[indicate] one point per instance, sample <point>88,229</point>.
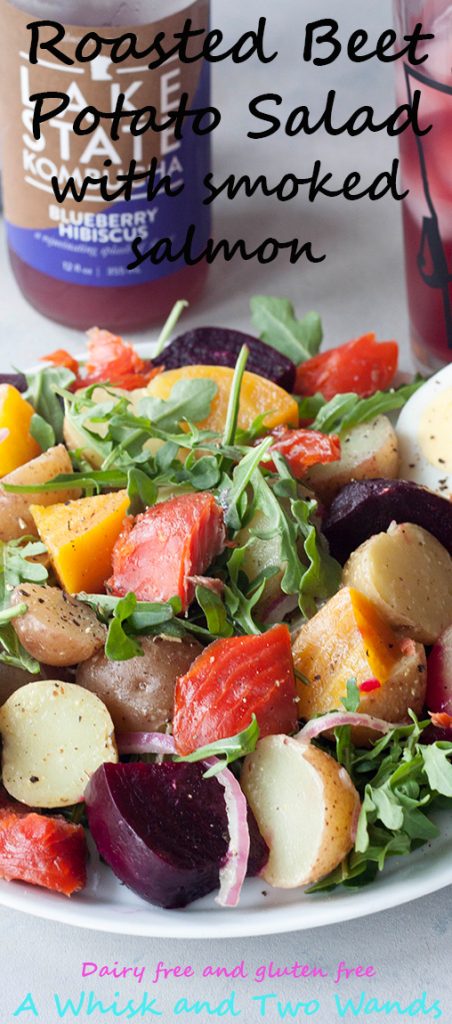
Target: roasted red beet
<point>366,507</point>
<point>219,346</point>
<point>163,829</point>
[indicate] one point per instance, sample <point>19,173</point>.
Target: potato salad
<point>225,611</point>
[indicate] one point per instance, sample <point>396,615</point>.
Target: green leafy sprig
<point>278,326</point>
<point>343,412</point>
<point>225,751</point>
<point>16,567</point>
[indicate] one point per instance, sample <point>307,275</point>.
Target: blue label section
<point>94,249</point>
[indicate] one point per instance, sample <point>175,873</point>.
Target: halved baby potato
<point>306,807</point>
<point>56,628</point>
<point>407,574</point>
<point>349,638</point>
<point>16,519</point>
<point>368,451</point>
<point>55,735</point>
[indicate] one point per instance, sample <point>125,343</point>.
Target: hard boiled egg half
<point>424,430</point>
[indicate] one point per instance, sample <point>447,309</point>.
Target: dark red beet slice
<point>366,507</point>
<point>219,346</point>
<point>163,829</point>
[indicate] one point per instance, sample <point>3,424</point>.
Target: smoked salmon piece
<point>229,682</point>
<point>363,366</point>
<point>158,553</point>
<point>50,852</point>
<point>304,448</point>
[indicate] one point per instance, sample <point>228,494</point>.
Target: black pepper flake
<point>34,778</point>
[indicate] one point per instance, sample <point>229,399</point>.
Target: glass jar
<point>70,259</point>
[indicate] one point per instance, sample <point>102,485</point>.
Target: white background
<point>359,287</point>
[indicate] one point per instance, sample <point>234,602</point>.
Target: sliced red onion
<point>233,871</point>
<point>145,743</point>
<point>333,720</point>
<point>277,610</point>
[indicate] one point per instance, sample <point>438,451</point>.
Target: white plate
<point>106,905</point>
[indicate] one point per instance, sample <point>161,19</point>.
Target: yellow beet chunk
<point>15,415</point>
<point>80,536</point>
<point>350,639</point>
<point>257,396</point>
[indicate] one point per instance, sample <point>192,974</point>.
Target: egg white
<point>424,432</point>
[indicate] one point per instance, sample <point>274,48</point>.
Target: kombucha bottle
<point>70,258</point>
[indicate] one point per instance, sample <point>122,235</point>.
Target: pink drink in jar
<point>426,171</point>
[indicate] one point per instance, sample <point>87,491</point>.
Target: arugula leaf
<point>214,611</point>
<point>276,322</point>
<point>322,576</point>
<point>343,412</point>
<point>353,699</point>
<point>241,596</point>
<point>87,480</point>
<point>119,645</point>
<point>241,478</point>
<point>189,400</point>
<point>438,768</point>
<point>78,410</point>
<point>42,432</point>
<point>15,568</point>
<point>128,619</point>
<point>144,614</point>
<point>142,491</point>
<point>202,473</point>
<point>309,406</point>
<point>43,391</point>
<point>226,750</point>
<point>309,571</point>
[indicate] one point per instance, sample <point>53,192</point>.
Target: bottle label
<point>89,242</point>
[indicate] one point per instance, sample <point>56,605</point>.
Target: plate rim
<point>203,925</point>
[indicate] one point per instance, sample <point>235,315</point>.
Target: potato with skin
<point>15,516</point>
<point>306,807</point>
<point>55,735</point>
<point>56,628</point>
<point>368,451</point>
<point>139,693</point>
<point>407,574</point>
<point>349,638</point>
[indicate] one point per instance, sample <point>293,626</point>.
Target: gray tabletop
<point>359,287</point>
